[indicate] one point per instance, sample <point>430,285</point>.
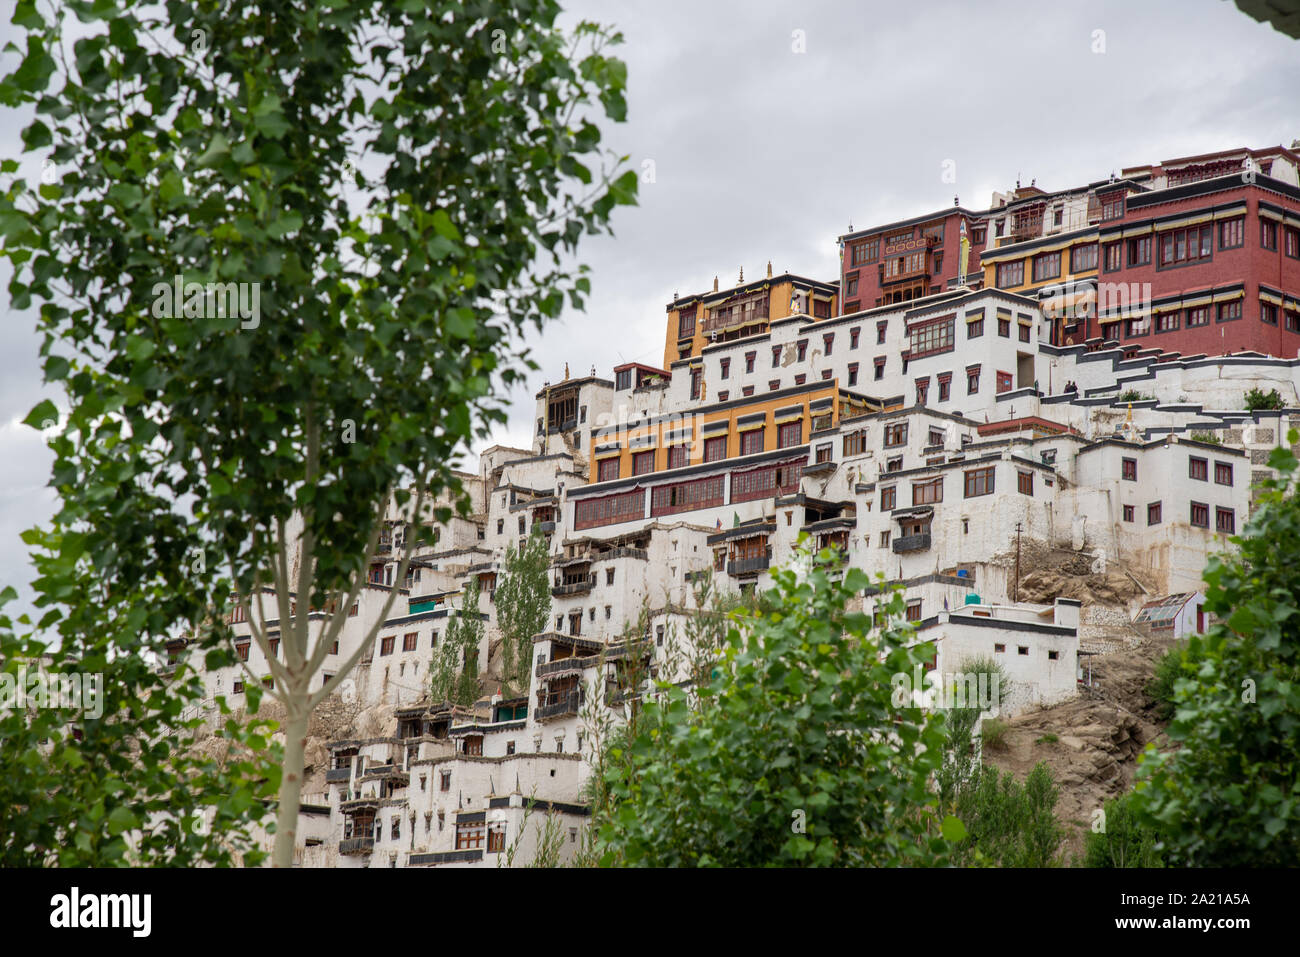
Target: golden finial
<point>715,283</point>
<point>769,269</point>
<point>566,372</point>
<point>742,276</point>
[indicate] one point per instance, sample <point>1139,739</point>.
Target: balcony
<point>356,846</point>
<point>566,665</point>
<point>623,551</point>
<point>565,707</point>
<point>748,566</point>
<point>571,588</point>
<point>335,775</point>
<point>445,857</point>
<point>912,543</point>
<point>545,527</point>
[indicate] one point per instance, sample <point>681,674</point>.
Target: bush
<point>1124,841</point>
<point>1009,824</point>
<point>1133,395</point>
<point>1047,739</point>
<point>1161,686</point>
<point>1209,438</point>
<point>797,754</point>
<point>1256,399</point>
<point>994,733</point>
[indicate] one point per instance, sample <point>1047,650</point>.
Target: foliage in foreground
<point>1227,797</point>
<point>1124,842</point>
<point>797,755</point>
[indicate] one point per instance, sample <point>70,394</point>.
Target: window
<point>854,334</point>
<point>999,648</point>
<point>975,327</point>
<point>643,462</point>
<point>1222,473</point>
<point>444,782</point>
<point>888,498</point>
<point>880,332</point>
<point>931,337</point>
<point>855,443</point>
<point>773,385</point>
<point>776,356</point>
<point>801,350</point>
<point>1268,313</point>
<point>1139,251</point>
<point>1180,247</point>
<point>895,435</point>
<point>1114,257</point>
<point>853,373</point>
<point>1011,274</point>
<point>972,380</point>
<point>1004,328</point>
<point>623,380</point>
<point>945,386</point>
<point>697,379</point>
<point>496,842</point>
<point>1004,382</point>
<point>1200,515</point>
<point>1198,316</point>
<point>1047,266</point>
<point>1166,321</point>
<point>501,522</point>
<point>1232,233</point>
<point>828,341</point>
<point>751,442</point>
<point>1291,242</point>
<point>791,433</point>
<point>894,464</point>
<point>677,456</point>
<point>935,437</point>
<point>1228,311</point>
<point>749,361</point>
<point>927,493</point>
<point>409,640</point>
<point>1153,513</point>
<point>241,649</point>
<point>764,482</point>
<point>686,323</point>
<point>469,836</point>
<point>864,251</point>
<point>1025,482</point>
<point>609,576</point>
<point>884,539</point>
<point>724,368</point>
<point>914,610</point>
<point>238,687</point>
<point>1129,470</point>
<point>1083,258</point>
<point>851,285</point>
<point>1112,207</point>
<point>979,482</point>
<point>1197,469</point>
<point>607,470</point>
<point>609,510</point>
<point>1268,234</point>
<point>1128,513</point>
<point>922,390</point>
<point>1225,520</point>
<point>1024,332</point>
<point>687,496</point>
<point>715,449</point>
<point>880,367</point>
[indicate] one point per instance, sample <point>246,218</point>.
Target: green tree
<point>1008,824</point>
<point>1124,841</point>
<point>799,755</point>
<point>455,663</point>
<point>1227,796</point>
<point>523,602</point>
<point>282,260</point>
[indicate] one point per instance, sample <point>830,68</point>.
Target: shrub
<point>1124,840</point>
<point>1209,438</point>
<point>1257,399</point>
<point>994,733</point>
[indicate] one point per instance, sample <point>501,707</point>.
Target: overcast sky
<point>760,152</point>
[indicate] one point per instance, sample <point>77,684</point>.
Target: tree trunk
<point>286,818</point>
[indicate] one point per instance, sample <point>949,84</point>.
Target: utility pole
<point>1015,595</point>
